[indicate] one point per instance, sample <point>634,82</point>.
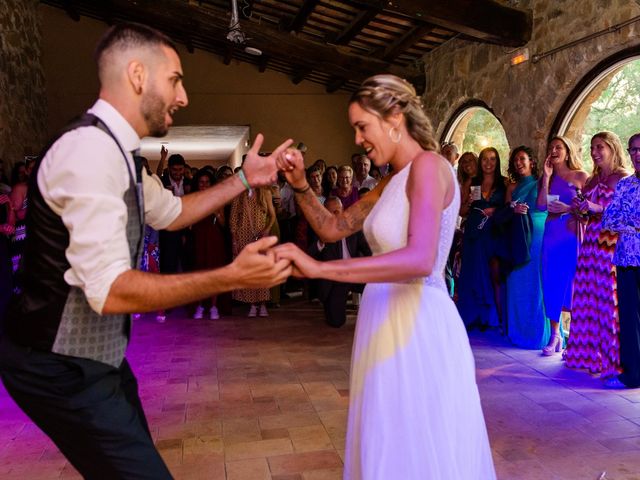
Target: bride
<point>414,410</point>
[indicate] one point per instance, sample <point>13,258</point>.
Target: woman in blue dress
<point>525,310</point>
<point>479,295</point>
<point>562,177</point>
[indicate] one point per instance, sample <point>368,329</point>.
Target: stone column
<point>23,105</point>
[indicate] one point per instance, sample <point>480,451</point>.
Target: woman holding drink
<point>479,284</point>
<point>562,177</point>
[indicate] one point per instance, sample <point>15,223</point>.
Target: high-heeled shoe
<point>554,346</point>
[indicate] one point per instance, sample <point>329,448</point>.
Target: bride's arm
<point>329,227</point>
<point>429,189</point>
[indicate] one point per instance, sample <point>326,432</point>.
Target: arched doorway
<point>473,127</point>
<point>606,98</point>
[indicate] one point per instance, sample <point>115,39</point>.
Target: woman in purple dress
<point>562,177</point>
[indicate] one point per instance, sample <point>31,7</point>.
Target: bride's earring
<point>395,135</point>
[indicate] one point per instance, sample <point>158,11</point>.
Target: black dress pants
<point>335,304</point>
<point>90,410</point>
<point>629,315</point>
<point>6,283</point>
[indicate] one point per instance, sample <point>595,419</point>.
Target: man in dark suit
<point>333,295</point>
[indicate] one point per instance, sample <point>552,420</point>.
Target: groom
<point>62,357</point>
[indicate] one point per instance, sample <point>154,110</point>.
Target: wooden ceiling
<point>337,43</point>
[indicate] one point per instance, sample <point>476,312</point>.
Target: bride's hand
<point>303,264</point>
<point>291,162</point>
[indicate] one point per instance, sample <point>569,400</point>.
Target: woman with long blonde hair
<point>594,342</point>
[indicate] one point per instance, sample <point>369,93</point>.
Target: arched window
<point>473,127</point>
<point>607,98</point>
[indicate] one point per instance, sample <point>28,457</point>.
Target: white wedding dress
<point>414,411</point>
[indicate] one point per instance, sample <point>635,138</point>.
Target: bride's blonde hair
<point>385,94</point>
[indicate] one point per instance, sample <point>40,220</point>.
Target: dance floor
<point>266,398</point>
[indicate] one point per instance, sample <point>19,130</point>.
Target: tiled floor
<point>254,399</point>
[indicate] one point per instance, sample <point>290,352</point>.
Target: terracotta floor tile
<point>248,469</point>
<point>311,438</point>
<point>302,462</point>
<point>257,449</point>
<point>287,420</point>
<point>274,433</point>
<point>327,474</point>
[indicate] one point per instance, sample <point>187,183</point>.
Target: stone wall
<point>22,94</point>
<point>526,98</point>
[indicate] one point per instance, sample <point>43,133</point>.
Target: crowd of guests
<point>548,238</point>
<point>552,238</point>
<point>216,240</point>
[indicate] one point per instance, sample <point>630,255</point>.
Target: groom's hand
<point>262,171</point>
<point>258,266</point>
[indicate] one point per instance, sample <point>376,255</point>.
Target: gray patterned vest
<point>49,314</point>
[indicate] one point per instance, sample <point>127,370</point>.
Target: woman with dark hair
<point>329,180</point>
<point>320,165</point>
<point>414,408</point>
<point>209,244</point>
<point>562,178</point>
<point>223,172</point>
<point>527,327</point>
<point>622,216</point>
<point>594,343</point>
<point>479,285</point>
<point>468,167</point>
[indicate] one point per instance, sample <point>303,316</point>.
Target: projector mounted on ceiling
<point>235,34</point>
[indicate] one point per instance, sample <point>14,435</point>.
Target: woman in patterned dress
<point>593,343</point>
<point>252,216</point>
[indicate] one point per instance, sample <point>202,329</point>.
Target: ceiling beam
<point>485,20</point>
<point>303,14</point>
<point>299,74</point>
<point>228,55</point>
<point>263,62</point>
<point>334,84</point>
<point>409,39</point>
<point>71,10</point>
<point>360,21</point>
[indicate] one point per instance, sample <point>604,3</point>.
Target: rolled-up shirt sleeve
<point>161,207</point>
<point>85,186</point>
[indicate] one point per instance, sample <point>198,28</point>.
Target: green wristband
<point>243,179</point>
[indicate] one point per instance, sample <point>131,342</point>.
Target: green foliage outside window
<point>616,110</point>
<point>484,130</point>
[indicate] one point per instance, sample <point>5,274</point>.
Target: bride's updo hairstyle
<point>385,94</point>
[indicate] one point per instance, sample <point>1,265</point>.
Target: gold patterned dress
<point>247,221</point>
